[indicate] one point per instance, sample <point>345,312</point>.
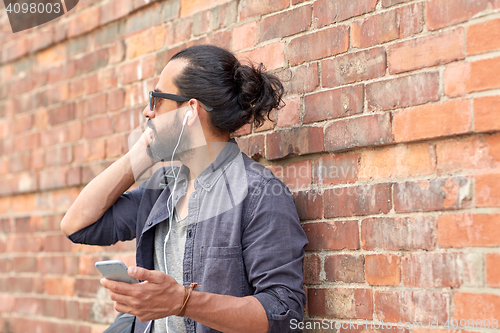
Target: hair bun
<point>259,94</point>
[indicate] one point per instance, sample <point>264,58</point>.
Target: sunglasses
<point>153,96</point>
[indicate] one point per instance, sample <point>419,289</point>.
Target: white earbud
<point>188,114</point>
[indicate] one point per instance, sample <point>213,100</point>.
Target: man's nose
<point>148,113</point>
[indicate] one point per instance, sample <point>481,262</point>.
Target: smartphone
<point>115,270</point>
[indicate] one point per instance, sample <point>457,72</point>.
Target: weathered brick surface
<point>357,200</point>
<point>358,132</point>
<point>402,233</point>
<point>334,103</point>
<point>389,143</point>
<point>436,194</point>
<point>411,306</point>
<point>363,65</point>
<point>383,269</point>
<point>403,91</point>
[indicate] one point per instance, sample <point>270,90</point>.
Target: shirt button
<point>189,321</point>
<point>186,277</point>
<point>194,195</point>
<point>190,233</point>
<point>149,223</point>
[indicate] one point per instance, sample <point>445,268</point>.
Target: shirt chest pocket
<point>216,252</point>
<point>222,270</point>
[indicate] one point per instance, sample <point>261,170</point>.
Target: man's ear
<point>194,107</point>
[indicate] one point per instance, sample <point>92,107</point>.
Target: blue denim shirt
<point>244,236</point>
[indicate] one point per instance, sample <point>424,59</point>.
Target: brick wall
<point>390,141</point>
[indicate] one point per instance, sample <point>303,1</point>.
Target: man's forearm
<point>101,193</point>
<point>227,313</point>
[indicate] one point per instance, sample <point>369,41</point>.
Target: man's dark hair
<point>239,94</point>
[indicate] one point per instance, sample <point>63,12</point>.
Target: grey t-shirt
<point>173,251</point>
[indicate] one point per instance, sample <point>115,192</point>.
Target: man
<point>220,220</point>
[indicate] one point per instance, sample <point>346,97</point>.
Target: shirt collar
<point>211,174</point>
<point>208,177</point>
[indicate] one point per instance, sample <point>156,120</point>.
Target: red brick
<point>333,170</point>
<point>398,161</point>
<point>312,268</point>
<point>268,123</point>
<point>202,22</point>
<point>92,61</point>
<point>403,91</point>
<point>434,120</point>
<point>428,51</point>
<point>114,10</point>
<point>487,190</point>
<point>389,3</point>
<point>298,175</point>
<point>60,286</point>
<point>344,267</point>
<point>87,287</point>
<point>436,194</point>
<point>443,13</point>
<point>493,269</point>
<point>394,24</point>
<point>320,44</point>
<point>116,99</point>
<point>469,153</point>
<point>20,162</point>
<point>153,38</point>
<point>357,200</point>
<point>331,11</point>
<point>75,89</point>
<point>90,150</point>
<point>244,36</point>
<point>22,123</point>
<point>309,204</point>
<point>91,84</point>
<point>486,110</point>
<point>353,67</point>
<point>383,269</point>
<point>345,303</point>
<point>272,55</point>
<point>476,75</point>
<point>412,305</point>
<point>73,176</point>
<point>435,270</point>
<point>61,114</point>
<point>83,22</point>
<point>97,127</point>
<point>24,264</point>
<point>465,230</point>
<point>471,305</point>
<point>117,52</point>
<point>289,115</point>
<point>334,103</point>
<point>58,156</point>
<point>52,178</point>
<point>286,23</point>
<point>295,141</point>
<point>300,79</point>
<point>332,235</point>
<point>483,37</point>
<point>114,146</point>
<point>189,7</point>
<point>253,146</point>
<point>406,233</point>
<point>250,8</point>
<point>142,19</point>
<point>126,120</point>
<point>27,141</point>
<point>358,132</point>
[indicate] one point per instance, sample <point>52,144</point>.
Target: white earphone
<point>188,114</point>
